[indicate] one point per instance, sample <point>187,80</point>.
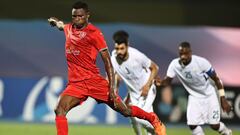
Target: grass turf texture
<point>9,128</point>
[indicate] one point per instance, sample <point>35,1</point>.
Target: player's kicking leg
<point>134,111</point>
<point>65,104</point>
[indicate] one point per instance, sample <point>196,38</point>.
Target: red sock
<point>61,125</point>
<point>139,113</point>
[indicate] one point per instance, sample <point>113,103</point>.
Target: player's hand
<point>157,81</point>
<point>225,105</point>
<point>145,90</point>
<point>53,21</point>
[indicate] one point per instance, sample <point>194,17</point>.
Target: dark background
<point>157,12</point>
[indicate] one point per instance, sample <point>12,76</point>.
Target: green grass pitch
<point>10,128</point>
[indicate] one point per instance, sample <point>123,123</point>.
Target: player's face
<point>121,50</point>
<point>79,17</point>
<point>185,55</point>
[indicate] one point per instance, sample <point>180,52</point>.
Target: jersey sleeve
<point>205,65</point>
<point>145,61</point>
<point>100,41</point>
<point>171,72</point>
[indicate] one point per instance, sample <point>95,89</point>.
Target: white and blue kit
<point>135,73</point>
<point>203,104</point>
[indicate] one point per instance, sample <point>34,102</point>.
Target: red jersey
<point>81,49</point>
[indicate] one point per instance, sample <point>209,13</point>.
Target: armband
<point>221,92</point>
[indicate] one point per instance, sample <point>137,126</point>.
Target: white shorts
<point>203,110</point>
<point>146,105</point>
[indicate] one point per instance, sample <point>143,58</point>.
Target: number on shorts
<point>216,114</point>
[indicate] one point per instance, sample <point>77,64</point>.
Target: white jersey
<point>134,71</point>
<point>193,76</point>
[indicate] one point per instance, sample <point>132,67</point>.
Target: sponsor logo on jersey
<point>70,49</point>
<point>188,75</point>
<point>128,72</point>
<point>74,52</point>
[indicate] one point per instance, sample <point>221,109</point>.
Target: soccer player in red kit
<point>83,42</point>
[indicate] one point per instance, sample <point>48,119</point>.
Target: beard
<point>121,56</point>
<point>185,62</point>
<point>78,25</point>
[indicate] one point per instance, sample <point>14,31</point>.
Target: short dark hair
<point>79,5</point>
<point>185,45</point>
<point>120,37</point>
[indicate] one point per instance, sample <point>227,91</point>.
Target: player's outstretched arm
<point>53,21</point>
<point>157,80</point>
<point>224,103</point>
<point>154,70</point>
<point>110,72</point>
<point>117,80</point>
<point>165,82</point>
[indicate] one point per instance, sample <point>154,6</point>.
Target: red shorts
<point>96,87</point>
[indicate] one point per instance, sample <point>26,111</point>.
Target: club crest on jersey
<point>82,34</point>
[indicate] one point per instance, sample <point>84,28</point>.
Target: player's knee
<point>60,110</point>
<point>129,111</point>
<point>124,110</point>
<point>215,126</point>
<point>126,113</point>
<point>192,127</point>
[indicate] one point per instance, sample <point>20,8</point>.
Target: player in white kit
<point>138,72</point>
<point>194,73</point>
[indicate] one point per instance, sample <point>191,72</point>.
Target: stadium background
<point>33,68</point>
